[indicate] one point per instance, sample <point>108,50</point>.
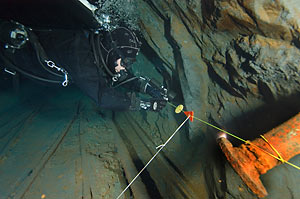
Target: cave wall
<point>231,57</point>
<point>236,64</point>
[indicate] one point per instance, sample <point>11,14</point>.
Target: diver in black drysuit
<point>83,58</point>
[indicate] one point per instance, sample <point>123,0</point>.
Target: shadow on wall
<point>257,122</point>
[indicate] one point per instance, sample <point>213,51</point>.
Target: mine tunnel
<point>226,94</point>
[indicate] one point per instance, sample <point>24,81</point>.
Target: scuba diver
<point>98,62</point>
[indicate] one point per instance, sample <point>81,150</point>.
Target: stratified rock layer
<point>238,65</point>
<point>230,56</point>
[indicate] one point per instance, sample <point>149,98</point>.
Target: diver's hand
<point>157,92</point>
<point>161,93</point>
<point>152,88</point>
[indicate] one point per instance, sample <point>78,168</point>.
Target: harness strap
<point>101,56</point>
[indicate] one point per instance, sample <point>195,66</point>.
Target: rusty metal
<point>250,162</point>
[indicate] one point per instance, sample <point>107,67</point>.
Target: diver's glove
<point>151,88</point>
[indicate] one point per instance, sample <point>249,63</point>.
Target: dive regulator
<point>13,34</point>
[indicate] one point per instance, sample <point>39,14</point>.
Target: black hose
<point>13,66</point>
<point>125,82</point>
<point>92,41</point>
<point>40,53</point>
<point>101,57</point>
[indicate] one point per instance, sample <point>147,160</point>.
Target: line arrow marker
<point>190,113</point>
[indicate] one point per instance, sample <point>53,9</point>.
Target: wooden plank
<point>32,150</point>
<point>61,175</point>
<point>101,171</point>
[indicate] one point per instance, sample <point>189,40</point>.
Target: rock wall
<point>237,64</point>
<point>230,56</point>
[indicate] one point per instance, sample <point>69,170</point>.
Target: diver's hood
<point>128,55</point>
<point>120,36</point>
<point>121,43</point>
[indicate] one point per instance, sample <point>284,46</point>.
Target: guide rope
<point>280,157</point>
<point>160,147</point>
<point>246,141</point>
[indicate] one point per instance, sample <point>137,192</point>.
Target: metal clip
<point>51,64</point>
<point>116,77</point>
<point>65,83</point>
